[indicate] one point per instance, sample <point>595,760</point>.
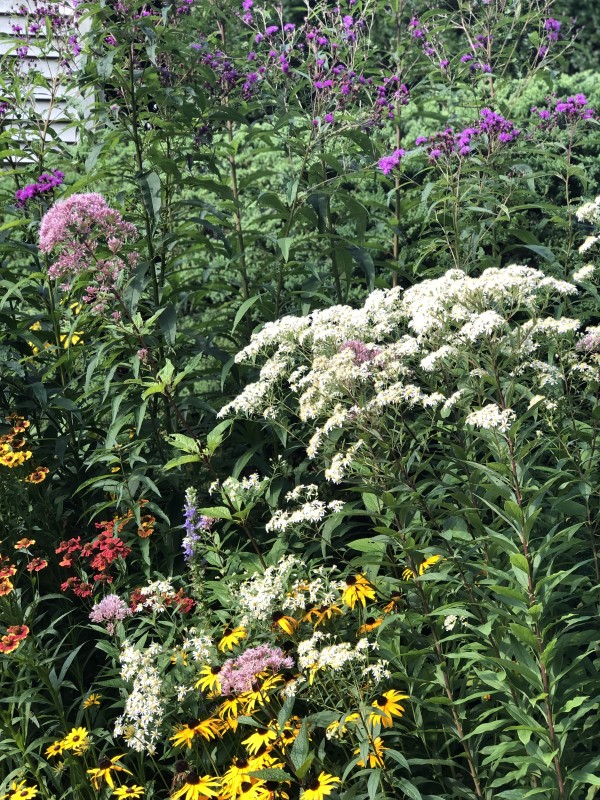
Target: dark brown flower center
<point>192,723</point>
<point>370,620</point>
<point>215,670</point>
<point>314,785</point>
<point>350,581</point>
<point>277,615</point>
<point>193,779</point>
<point>380,701</point>
<point>106,763</point>
<point>241,763</point>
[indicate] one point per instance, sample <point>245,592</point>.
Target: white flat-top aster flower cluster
<point>430,349</point>
<point>140,722</point>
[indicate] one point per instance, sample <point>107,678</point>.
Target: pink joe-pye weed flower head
<point>238,675</point>
<point>109,611</point>
<point>79,229</point>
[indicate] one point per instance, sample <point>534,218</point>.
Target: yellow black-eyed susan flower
<point>205,729</point>
<point>92,700</point>
<point>263,759</point>
<point>20,791</point>
<point>409,574</point>
<point>232,637</point>
<point>197,788</point>
<point>389,705</point>
<point>252,790</point>
<point>358,590</point>
<point>320,614</point>
<point>236,775</point>
<point>339,728</point>
<point>261,737</point>
<point>319,787</point>
<point>104,770</point>
<point>393,602</point>
<point>54,749</point>
<point>124,792</point>
<point>208,679</point>
<point>375,755</point>
<point>287,624</point>
<point>234,706</point>
<point>369,625</point>
<point>77,741</point>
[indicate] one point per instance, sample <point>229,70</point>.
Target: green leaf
<point>409,789</point>
<point>365,262</point>
<point>179,460</point>
<point>167,322</point>
<point>299,751</point>
<point>305,766</point>
<point>519,562</point>
<point>524,635</point>
<point>181,442</point>
<point>375,544</point>
<point>285,711</point>
<point>216,512</point>
<point>277,775</point>
<point>243,309</point>
<point>150,187</point>
<point>155,388</point>
<point>284,245</point>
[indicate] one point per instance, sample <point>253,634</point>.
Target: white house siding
<point>49,119</point>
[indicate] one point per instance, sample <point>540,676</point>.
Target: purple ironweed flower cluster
<point>47,182</point>
<point>564,112</point>
<point>247,15</point>
<point>109,611</point>
<point>238,675</point>
<point>387,164</point>
<point>80,228</point>
<point>363,353</point>
<point>493,126</point>
<point>419,32</point>
<point>474,65</point>
<point>551,34</point>
<point>226,73</point>
<point>319,48</point>
<point>4,109</point>
<point>54,20</point>
<point>434,52</point>
<point>194,522</point>
<point>552,28</point>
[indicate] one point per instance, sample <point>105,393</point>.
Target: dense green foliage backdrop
<point>299,347</point>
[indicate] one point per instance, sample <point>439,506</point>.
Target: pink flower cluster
<point>237,675</point>
<point>89,235</point>
<point>110,610</point>
<point>363,353</point>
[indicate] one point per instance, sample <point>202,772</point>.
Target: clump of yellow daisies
<point>318,631</point>
<point>78,742</point>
